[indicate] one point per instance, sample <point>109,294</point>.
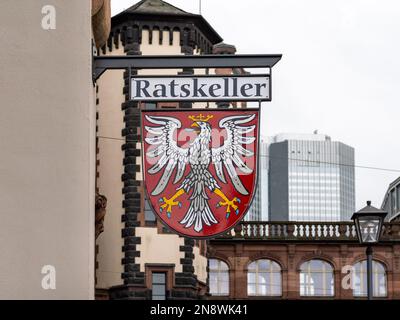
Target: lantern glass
<point>369,229</point>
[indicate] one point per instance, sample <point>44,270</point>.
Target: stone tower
<point>134,246</point>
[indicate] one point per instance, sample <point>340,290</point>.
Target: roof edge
<point>198,19</point>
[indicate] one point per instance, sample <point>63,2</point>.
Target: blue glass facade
<point>311,180</point>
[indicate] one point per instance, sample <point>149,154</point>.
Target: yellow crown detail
<point>201,118</point>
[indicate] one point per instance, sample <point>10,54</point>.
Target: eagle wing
<point>228,155</point>
<point>165,148</point>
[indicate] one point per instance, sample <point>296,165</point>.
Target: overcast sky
<point>340,72</point>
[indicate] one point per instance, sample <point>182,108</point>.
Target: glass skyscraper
<point>311,178</point>
<point>259,207</point>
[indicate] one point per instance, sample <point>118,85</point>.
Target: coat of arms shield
<point>200,167</point>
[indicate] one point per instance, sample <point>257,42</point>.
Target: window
<point>150,105</point>
<point>158,286</point>
<point>398,198</point>
<point>149,216</point>
<point>264,278</point>
<point>219,278</point>
<point>316,279</point>
<point>393,203</point>
<point>360,279</point>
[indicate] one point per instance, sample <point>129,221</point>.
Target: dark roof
<point>156,6</point>
<point>163,11</point>
<point>391,186</point>
<point>370,209</point>
<point>394,183</point>
<point>225,46</point>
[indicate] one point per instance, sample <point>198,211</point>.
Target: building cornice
<point>101,21</point>
<point>305,232</point>
<point>194,29</point>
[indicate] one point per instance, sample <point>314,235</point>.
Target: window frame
<point>153,284</point>
<point>363,279</point>
<point>328,290</point>
<point>270,271</point>
<point>167,269</point>
<point>219,271</point>
<point>148,212</point>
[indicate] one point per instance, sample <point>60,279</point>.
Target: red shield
<point>200,167</point>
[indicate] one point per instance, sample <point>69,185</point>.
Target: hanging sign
<point>200,167</point>
<point>201,88</point>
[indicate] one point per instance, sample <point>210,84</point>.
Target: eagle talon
<point>229,204</point>
<point>169,203</point>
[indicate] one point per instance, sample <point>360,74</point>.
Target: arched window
<point>316,279</point>
<point>264,278</point>
<point>218,277</point>
<point>360,279</point>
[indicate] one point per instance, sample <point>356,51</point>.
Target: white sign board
<point>201,88</point>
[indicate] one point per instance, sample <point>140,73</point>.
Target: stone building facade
<point>293,248</point>
<point>391,201</point>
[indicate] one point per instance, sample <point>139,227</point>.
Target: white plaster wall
<point>155,48</point>
<point>159,248</point>
<point>110,125</point>
<point>47,166</point>
<point>200,265</point>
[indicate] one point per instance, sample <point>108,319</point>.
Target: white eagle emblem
<point>199,156</point>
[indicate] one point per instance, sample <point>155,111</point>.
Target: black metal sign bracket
<point>103,63</point>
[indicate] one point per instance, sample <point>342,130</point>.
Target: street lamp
<point>368,222</point>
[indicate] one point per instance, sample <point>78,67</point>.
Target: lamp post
<point>368,222</point>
